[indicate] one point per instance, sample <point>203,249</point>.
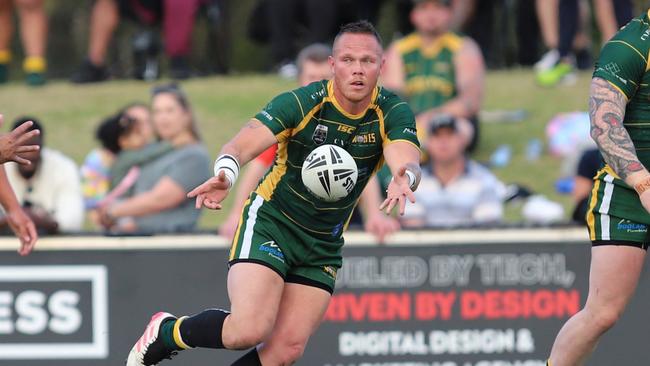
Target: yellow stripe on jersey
<point>451,41</point>
<point>306,119</point>
<point>591,219</point>
<point>304,227</point>
<point>233,246</point>
<point>270,182</point>
<point>302,111</point>
<point>608,169</point>
<point>389,141</point>
<point>332,99</point>
<point>632,47</point>
<point>382,125</point>
<point>619,89</point>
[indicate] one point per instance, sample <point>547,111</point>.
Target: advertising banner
<point>406,305</point>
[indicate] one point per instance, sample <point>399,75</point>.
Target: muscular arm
<point>606,112</point>
<point>249,142</point>
<point>403,155</point>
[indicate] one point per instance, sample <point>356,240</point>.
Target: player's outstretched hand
<point>211,192</point>
<point>24,229</point>
<point>397,193</point>
<point>14,143</point>
<point>381,226</point>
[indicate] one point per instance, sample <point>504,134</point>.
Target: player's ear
<point>330,60</point>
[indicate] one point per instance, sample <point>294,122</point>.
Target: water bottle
<point>501,156</point>
<point>534,150</point>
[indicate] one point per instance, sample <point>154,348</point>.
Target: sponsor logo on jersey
<point>645,35</point>
<point>366,138</point>
<point>337,229</point>
<point>330,271</point>
<point>267,115</point>
<point>631,227</point>
<point>272,249</point>
<point>347,129</point>
<point>320,134</point>
<point>411,131</point>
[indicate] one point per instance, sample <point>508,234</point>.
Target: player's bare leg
<point>613,278</point>
<point>301,311</point>
<point>255,292</point>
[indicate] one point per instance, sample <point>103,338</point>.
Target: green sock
<point>167,335</point>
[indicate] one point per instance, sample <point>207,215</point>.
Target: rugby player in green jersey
<point>618,215</point>
<point>287,248</point>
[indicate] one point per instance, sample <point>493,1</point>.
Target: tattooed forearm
<point>606,112</point>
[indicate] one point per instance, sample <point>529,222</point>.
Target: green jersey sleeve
<point>623,60</point>
<point>282,113</point>
<point>400,125</point>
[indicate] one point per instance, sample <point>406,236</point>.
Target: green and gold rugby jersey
<point>308,117</point>
<point>623,62</point>
<point>429,71</point>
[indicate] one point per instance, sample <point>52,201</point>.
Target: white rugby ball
<point>329,172</point>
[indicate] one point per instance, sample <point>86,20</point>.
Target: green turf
<point>70,114</point>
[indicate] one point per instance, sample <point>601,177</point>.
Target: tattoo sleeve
<point>606,112</point>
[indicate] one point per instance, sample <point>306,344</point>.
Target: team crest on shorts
<point>320,134</point>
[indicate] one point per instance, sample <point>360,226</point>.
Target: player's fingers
<point>20,130</point>
<point>402,205</point>
<point>21,160</point>
<point>198,190</point>
<point>22,139</point>
<point>391,205</point>
<point>198,202</point>
<point>383,204</point>
<point>410,195</point>
<point>27,148</point>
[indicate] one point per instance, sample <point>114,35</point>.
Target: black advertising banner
<point>439,305</point>
<point>467,305</point>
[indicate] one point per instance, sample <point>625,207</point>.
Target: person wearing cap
<point>438,71</point>
<point>455,190</point>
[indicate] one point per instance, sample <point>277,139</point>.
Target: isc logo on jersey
<point>329,173</point>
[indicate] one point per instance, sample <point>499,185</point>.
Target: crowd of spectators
<point>151,155</point>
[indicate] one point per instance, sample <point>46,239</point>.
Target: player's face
<point>445,145</point>
<point>314,71</point>
<point>170,119</point>
<point>431,18</point>
<point>356,63</point>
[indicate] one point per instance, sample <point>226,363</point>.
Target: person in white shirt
<point>49,188</point>
<point>454,190</point>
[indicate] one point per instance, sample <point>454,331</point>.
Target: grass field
<point>70,114</point>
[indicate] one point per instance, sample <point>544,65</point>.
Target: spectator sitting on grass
<point>158,202</point>
<point>49,188</point>
<point>454,190</point>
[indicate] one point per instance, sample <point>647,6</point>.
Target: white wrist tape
<point>412,179</point>
<point>229,165</point>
